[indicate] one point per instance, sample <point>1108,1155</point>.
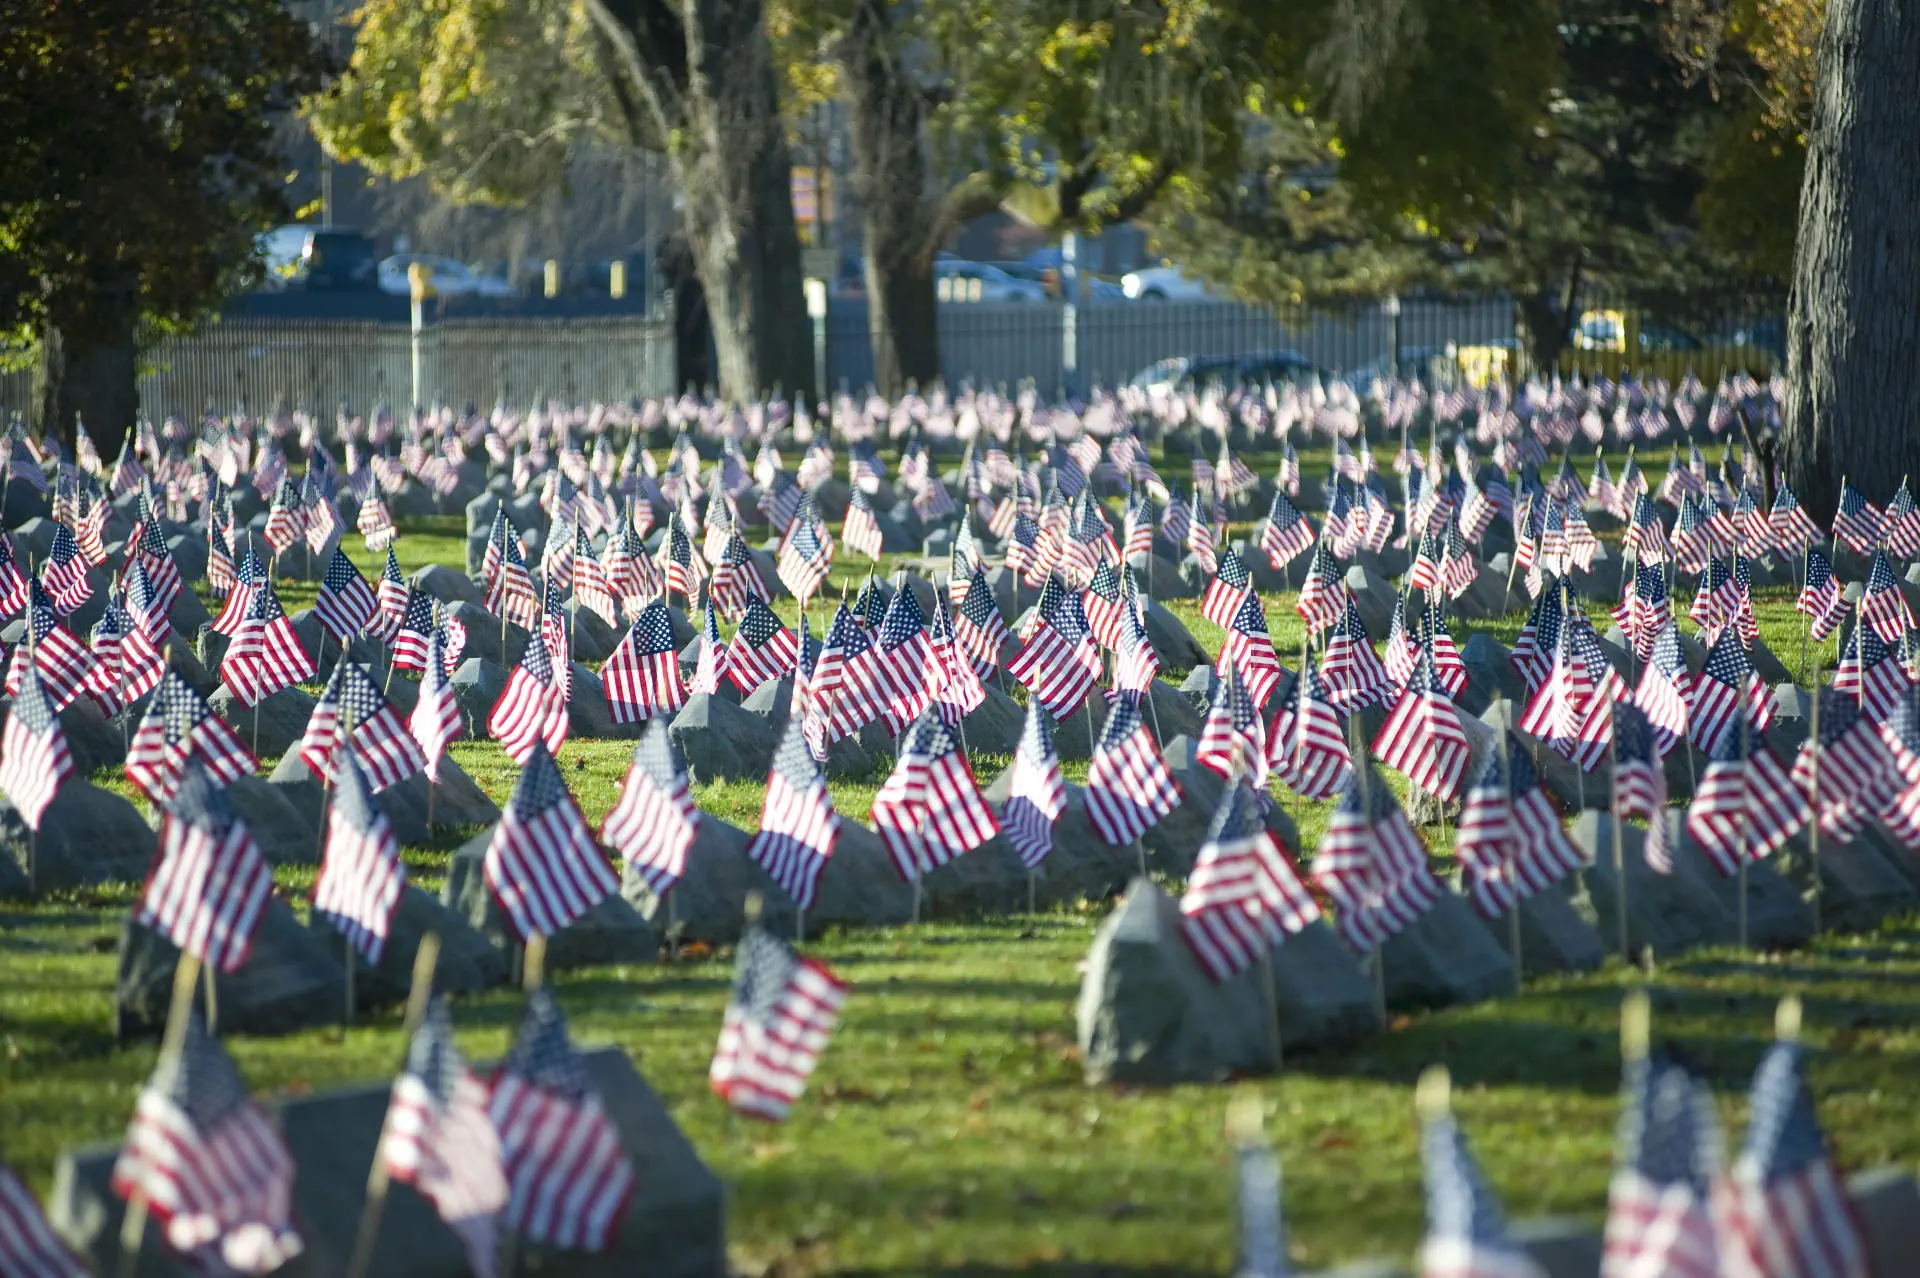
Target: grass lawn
<point>948,1129</point>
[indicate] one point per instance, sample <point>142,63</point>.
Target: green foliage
<point>139,154</point>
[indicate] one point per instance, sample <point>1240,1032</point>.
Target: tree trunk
<point>92,378</point>
<point>890,178</point>
<point>1853,333</point>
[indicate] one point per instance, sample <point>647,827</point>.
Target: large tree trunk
<point>890,178</point>
<point>91,378</point>
<point>1853,334</point>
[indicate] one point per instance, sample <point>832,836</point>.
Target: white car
<point>955,280</point>
<point>449,278</point>
<point>1162,284</point>
<point>282,251</point>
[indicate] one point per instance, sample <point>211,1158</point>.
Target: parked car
<point>956,280</point>
<point>449,278</point>
<point>1183,373</point>
<point>281,252</point>
<point>339,258</point>
<point>1162,284</point>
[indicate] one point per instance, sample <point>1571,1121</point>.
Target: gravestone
<point>477,685</point>
<point>1858,886</point>
<point>719,740</point>
<point>87,835</point>
<point>1553,936</point>
<point>1374,597</point>
<point>1886,1202</point>
<point>1170,639</point>
<point>290,981</point>
<point>467,964</point>
<point>281,716</point>
<point>286,835</point>
<point>773,700</point>
<point>673,1226</point>
<point>1561,1246</point>
<point>447,585</point>
<point>1445,958</point>
<point>1667,913</point>
<point>611,932</point>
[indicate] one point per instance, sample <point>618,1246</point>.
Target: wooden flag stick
<point>1620,847</point>
<point>535,962</point>
<point>1513,851</point>
<point>1786,1019</point>
<point>133,1224</point>
<point>377,1177</point>
<point>1813,802</point>
<point>1433,1094</point>
<point>1636,1026</point>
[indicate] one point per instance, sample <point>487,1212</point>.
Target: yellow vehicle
<point>1620,341</point>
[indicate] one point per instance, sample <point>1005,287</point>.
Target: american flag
<point>209,884</point>
<point>1037,795</point>
<point>1102,604</point>
<point>778,1019</point>
<point>531,711</point>
<point>1287,535</point>
<point>1306,747</point>
<point>65,573</point>
<point>830,713</point>
<point>265,655</point>
<point>1693,541</point>
<point>1230,585</point>
<point>1902,524</point>
<point>287,518</point>
<point>568,1176</point>
<point>353,704</point>
<point>250,574</point>
<point>28,1246</point>
<point>735,578</point>
<point>127,665</point>
<point>439,1138</point>
<point>1883,605</point>
<point>642,677</point>
<point>1371,863</point>
<point>1447,662</point>
<point>1721,689</point>
<point>1820,598</point>
<point>1466,1231</point>
<point>1600,490</point>
<point>1354,675</point>
<point>211,1167</point>
<point>962,562</point>
<point>780,501</point>
<point>1059,662</point>
<point>805,554</point>
<point>375,523</point>
<point>762,648</point>
<point>1792,529</point>
<point>541,863</point>
<point>1425,573</point>
<point>1136,664</point>
<point>1848,760</point>
<point>590,587</point>
<point>1640,780</point>
<point>66,665</point>
<point>344,605</point>
<point>798,826</point>
<point>163,575</point>
<point>178,726</point>
<point>1248,648</point>
<point>654,822</point>
<point>1244,897</point>
<point>1200,535</point>
<point>1746,805</point>
<point>409,641</point>
<point>977,624</point>
<point>712,663</point>
<point>556,561</point>
<point>1422,736</point>
<point>1458,568</point>
<point>1857,522</point>
<point>13,582</point>
<point>1781,1208</point>
<point>1233,738</point>
<point>1323,595</point>
<point>510,594</point>
<point>861,530</point>
<point>1869,672</point>
<point>361,875</point>
<point>34,759</point>
<point>957,691</point>
<point>930,811</point>
<point>1659,1217</point>
<point>435,720</point>
<point>1648,610</point>
<point>1129,788</point>
<point>1138,532</point>
<point>1511,844</point>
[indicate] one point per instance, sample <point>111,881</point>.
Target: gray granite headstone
<point>611,932</point>
<point>291,980</point>
<point>719,740</point>
<point>1446,958</point>
<point>87,835</point>
<point>282,718</point>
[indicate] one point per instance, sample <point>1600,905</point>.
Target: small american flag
<point>13,582</point>
<point>1851,756</point>
<point>1781,1208</point>
<point>511,595</point>
<point>352,703</point>
<point>1248,648</point>
<point>977,624</point>
<point>1355,677</point>
<point>127,665</point>
<point>1129,789</point>
<point>65,665</point>
<point>1244,896</point>
<point>435,720</point>
<point>1746,806</point>
<point>1639,780</point>
<point>287,518</point>
<point>409,640</point>
<point>780,500</point>
<point>712,663</point>
<point>1869,672</point>
<point>1466,1232</point>
<point>805,555</point>
<point>778,1019</point>
<point>1323,595</point>
<point>831,713</point>
<point>1102,604</point>
<point>1422,736</point>
<point>265,655</point>
<point>178,726</point>
<point>1664,690</point>
<point>642,677</point>
<point>798,826</point>
<point>209,884</point>
<point>1539,640</point>
<point>1233,738</point>
<point>213,1170</point>
<point>375,523</point>
<point>1857,522</point>
<point>1659,1218</point>
<point>1037,795</point>
<point>1306,747</point>
<point>361,875</point>
<point>1725,685</point>
<point>542,863</point>
<point>1288,534</point>
<point>1059,662</point>
<point>892,677</point>
<point>1821,599</point>
<point>250,574</point>
<point>28,1246</point>
<point>532,710</point>
<point>1902,524</point>
<point>1511,844</point>
<point>930,811</point>
<point>1230,586</point>
<point>861,530</point>
<point>762,648</point>
<point>439,1138</point>
<point>344,605</point>
<point>1883,605</point>
<point>568,1176</point>
<point>1792,529</point>
<point>34,759</point>
<point>654,822</point>
<point>151,553</point>
<point>957,691</point>
<point>65,573</point>
<point>1371,863</point>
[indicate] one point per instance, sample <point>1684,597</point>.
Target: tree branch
<point>1135,202</point>
<point>977,195</point>
<point>648,49</point>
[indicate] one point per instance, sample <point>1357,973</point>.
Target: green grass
<point>949,1129</point>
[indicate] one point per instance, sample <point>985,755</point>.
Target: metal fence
<point>323,363</point>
